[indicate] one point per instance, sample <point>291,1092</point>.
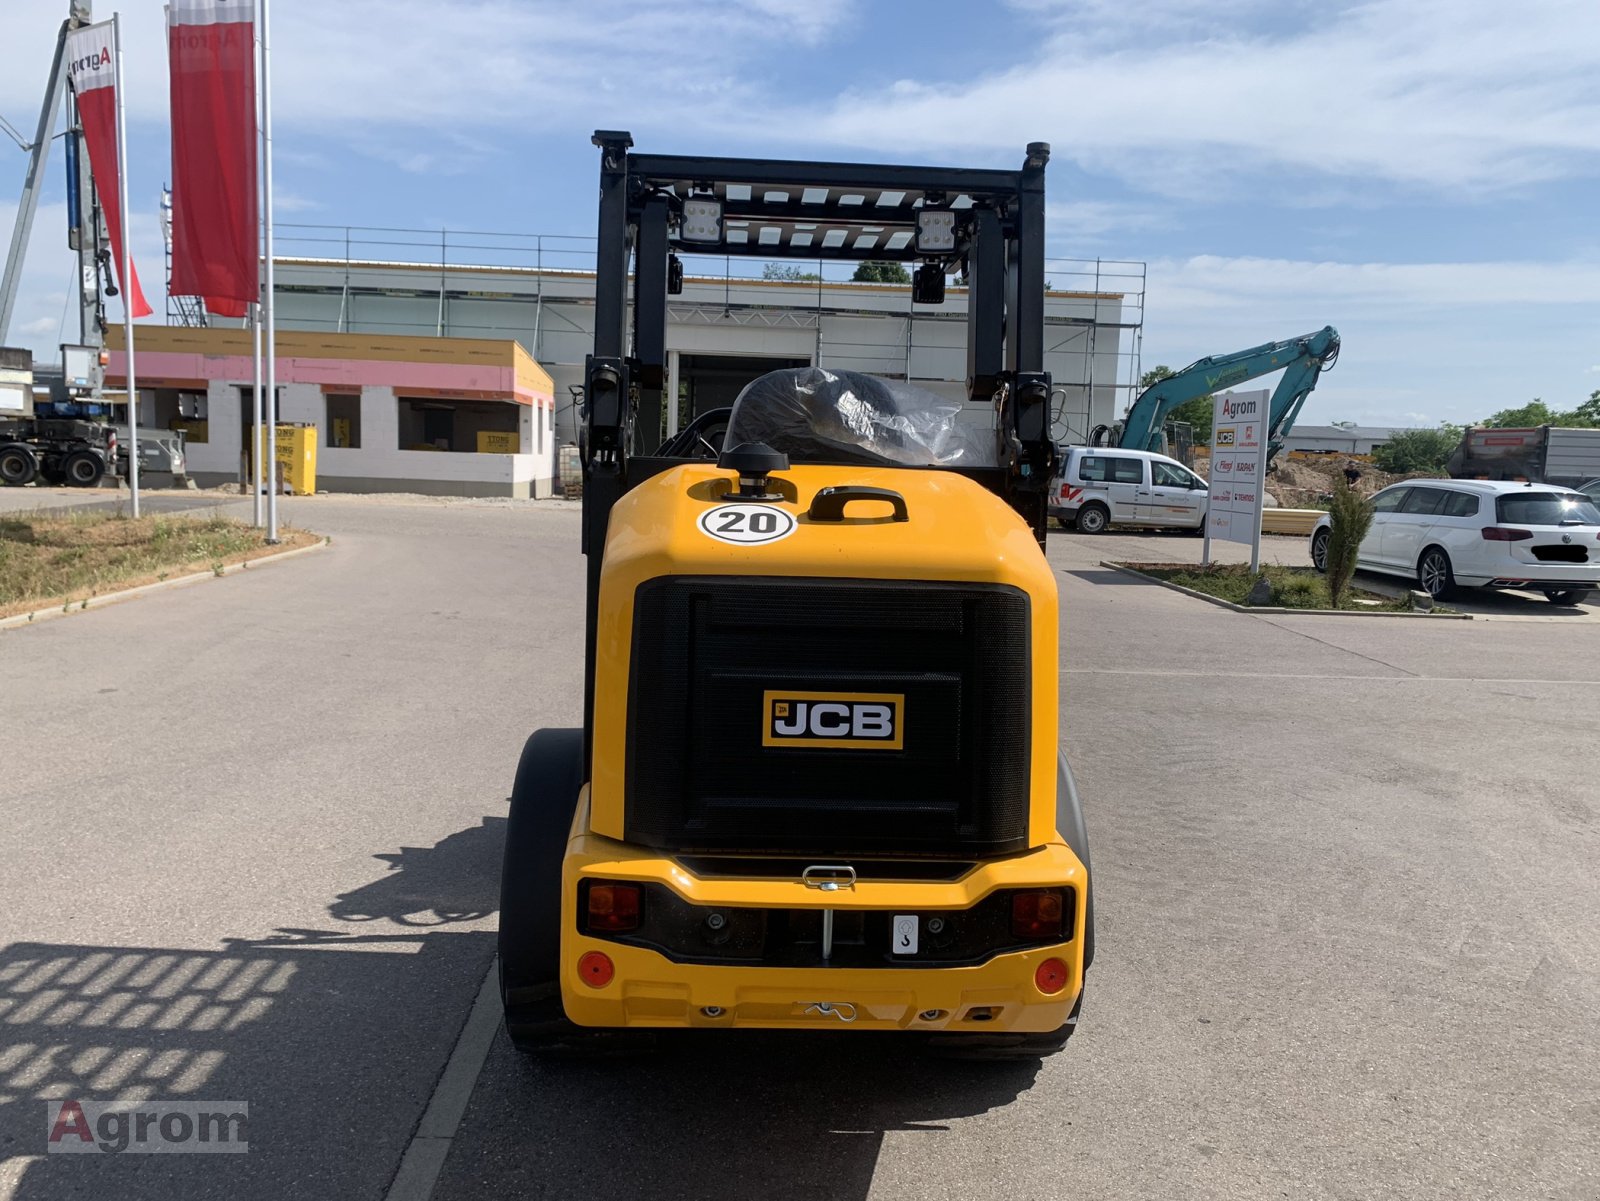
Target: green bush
<point>1351,518</point>
<point>1298,592</point>
<point>1417,450</point>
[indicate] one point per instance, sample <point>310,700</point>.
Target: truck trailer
<point>1541,454</point>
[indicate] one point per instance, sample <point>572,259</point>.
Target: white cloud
<point>1426,94</point>
<point>1079,224</point>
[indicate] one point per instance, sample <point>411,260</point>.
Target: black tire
<point>84,469</point>
<point>1005,1047</point>
<point>543,800</point>
<point>1197,531</point>
<point>1435,576</point>
<point>1093,519</point>
<point>1566,596</point>
<point>18,466</point>
<point>53,476</point>
<point>1319,550</point>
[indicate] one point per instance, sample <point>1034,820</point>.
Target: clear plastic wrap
<point>817,415</point>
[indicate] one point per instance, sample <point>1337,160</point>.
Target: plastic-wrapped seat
<point>819,415</point>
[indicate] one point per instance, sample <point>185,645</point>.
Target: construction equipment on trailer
<point>1302,360</point>
<point>53,450</point>
<point>1543,454</point>
<point>818,785</point>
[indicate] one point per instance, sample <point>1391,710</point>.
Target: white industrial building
<point>462,377</point>
<point>722,331</point>
<point>1338,439</point>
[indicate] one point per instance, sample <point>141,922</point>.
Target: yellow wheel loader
<point>818,783</point>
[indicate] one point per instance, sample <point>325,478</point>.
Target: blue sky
<point>1424,175</point>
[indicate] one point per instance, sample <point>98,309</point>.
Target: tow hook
<point>842,1010</point>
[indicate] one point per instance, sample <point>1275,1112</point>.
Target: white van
<point>1101,485</point>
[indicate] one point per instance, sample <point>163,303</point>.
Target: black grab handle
<point>828,504</point>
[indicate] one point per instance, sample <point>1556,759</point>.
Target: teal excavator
<point>1300,359</point>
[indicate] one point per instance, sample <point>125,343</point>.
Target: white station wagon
<point>1481,534</point>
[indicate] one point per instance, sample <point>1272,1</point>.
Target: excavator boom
<point>1300,359</point>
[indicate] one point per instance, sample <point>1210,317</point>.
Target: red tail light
<point>613,907</point>
<point>1036,914</point>
<point>596,969</point>
<point>1500,533</point>
<point>1050,977</point>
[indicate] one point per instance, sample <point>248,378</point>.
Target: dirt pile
<point>1302,483</point>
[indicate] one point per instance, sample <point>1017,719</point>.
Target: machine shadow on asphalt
<point>285,1025</point>
<point>455,880</point>
<point>294,1025</point>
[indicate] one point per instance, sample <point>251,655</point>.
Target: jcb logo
<point>846,720</point>
<point>1225,435</point>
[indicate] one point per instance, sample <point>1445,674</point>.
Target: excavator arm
<point>1300,359</point>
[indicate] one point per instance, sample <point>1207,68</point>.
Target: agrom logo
<point>857,721</point>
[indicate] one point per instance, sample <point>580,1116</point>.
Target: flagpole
<point>271,352</point>
<point>255,391</point>
<point>127,264</point>
<point>254,470</point>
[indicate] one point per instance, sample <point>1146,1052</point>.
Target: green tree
<point>788,273</point>
<point>874,272</point>
<point>1535,412</point>
<point>1350,517</point>
<point>1417,450</point>
<point>1588,413</point>
<point>1196,412</point>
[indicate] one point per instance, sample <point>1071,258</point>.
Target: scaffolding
<point>181,310</point>
<point>1094,307</point>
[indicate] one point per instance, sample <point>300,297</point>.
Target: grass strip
<point>1292,587</point>
<point>50,558</point>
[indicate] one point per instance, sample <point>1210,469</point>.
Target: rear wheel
<point>1319,550</point>
<point>1093,519</point>
<point>1434,575</point>
<point>543,800</point>
<point>84,469</point>
<point>1566,596</point>
<point>17,466</point>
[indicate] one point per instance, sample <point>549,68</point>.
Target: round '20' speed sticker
<point>747,524</point>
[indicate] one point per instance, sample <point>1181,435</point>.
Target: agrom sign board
<point>1238,469</point>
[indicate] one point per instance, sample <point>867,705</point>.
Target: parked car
<point>1591,490</point>
<point>1098,486</point>
<point>1447,534</point>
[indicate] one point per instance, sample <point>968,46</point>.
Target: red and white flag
<point>215,213</point>
<point>93,75</point>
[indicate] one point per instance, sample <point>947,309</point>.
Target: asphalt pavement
<point>1347,907</point>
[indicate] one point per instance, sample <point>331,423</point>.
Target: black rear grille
<point>1561,554</point>
<point>706,650</point>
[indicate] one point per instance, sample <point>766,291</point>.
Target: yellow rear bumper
<point>651,990</point>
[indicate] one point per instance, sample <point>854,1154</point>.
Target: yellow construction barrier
<point>297,458</point>
<point>1289,521</point>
